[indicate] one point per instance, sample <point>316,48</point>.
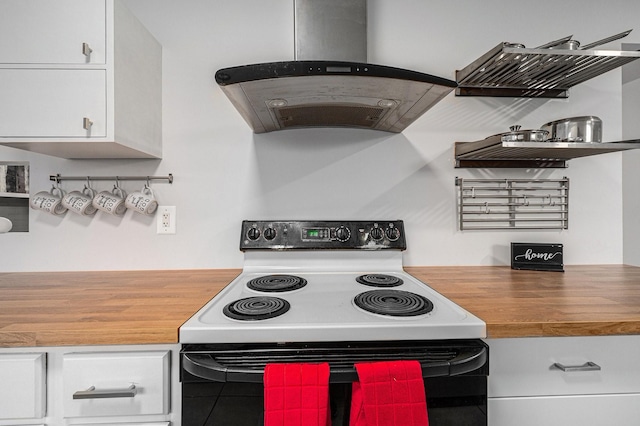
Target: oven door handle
<point>204,366</point>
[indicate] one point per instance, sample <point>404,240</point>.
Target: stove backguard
<point>322,235</point>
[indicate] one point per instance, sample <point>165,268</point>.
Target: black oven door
<point>222,384</point>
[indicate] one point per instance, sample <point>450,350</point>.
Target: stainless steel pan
<point>575,129</point>
<point>517,135</point>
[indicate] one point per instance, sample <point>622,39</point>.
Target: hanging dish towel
<point>389,393</point>
<point>296,395</point>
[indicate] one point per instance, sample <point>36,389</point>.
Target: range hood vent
<point>324,87</point>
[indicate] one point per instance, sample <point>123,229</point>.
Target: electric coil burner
<point>277,283</point>
<point>395,303</point>
<point>342,297</point>
<point>379,280</point>
<point>256,308</point>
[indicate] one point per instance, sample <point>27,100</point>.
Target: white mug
<point>49,201</point>
<point>111,202</point>
<point>80,202</point>
<point>143,201</point>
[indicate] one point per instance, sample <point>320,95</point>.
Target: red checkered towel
<point>296,395</point>
<point>389,394</point>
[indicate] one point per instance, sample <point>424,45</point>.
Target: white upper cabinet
<point>79,79</point>
<point>53,32</point>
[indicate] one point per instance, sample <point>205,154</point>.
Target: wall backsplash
<point>226,174</point>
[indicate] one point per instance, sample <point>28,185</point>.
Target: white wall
<point>224,173</point>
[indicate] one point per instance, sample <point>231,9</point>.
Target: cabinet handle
<point>92,393</point>
<point>86,123</point>
<point>86,50</point>
<point>587,366</point>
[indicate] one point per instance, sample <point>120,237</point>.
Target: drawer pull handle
<point>87,123</point>
<point>92,393</point>
<point>587,366</point>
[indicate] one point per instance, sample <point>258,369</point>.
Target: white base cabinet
<point>79,79</point>
<point>90,385</point>
<point>564,381</point>
<point>23,386</point>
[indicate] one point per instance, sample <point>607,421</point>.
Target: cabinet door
<point>22,386</point>
<point>52,103</point>
<point>588,410</point>
<point>52,32</point>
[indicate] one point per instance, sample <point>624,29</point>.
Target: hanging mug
<point>143,201</point>
<point>81,202</point>
<point>49,201</point>
<point>111,202</point>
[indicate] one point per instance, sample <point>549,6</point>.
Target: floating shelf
<point>544,73</point>
<point>492,152</point>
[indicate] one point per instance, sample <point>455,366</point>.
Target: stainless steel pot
<point>567,45</point>
<point>517,135</point>
<point>575,129</point>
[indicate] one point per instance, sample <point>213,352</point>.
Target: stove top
<point>352,288</point>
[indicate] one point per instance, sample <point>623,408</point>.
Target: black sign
<point>538,257</point>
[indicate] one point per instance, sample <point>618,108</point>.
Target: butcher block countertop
<point>148,307</point>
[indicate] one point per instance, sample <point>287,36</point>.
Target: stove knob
<point>342,234</point>
<point>269,233</point>
<point>393,233</point>
<point>253,234</point>
<point>376,233</point>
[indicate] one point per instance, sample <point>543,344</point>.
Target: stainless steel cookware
<point>517,135</point>
<point>567,45</point>
<point>575,129</point>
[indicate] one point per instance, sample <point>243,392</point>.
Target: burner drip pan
<point>256,308</point>
<point>395,303</point>
<point>379,280</point>
<point>276,283</point>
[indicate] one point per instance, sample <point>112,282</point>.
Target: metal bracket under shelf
<point>505,204</point>
<point>494,153</point>
<point>545,73</point>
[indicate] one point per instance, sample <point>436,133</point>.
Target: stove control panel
<point>322,235</point>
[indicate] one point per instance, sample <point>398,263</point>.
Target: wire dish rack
<point>503,204</point>
<point>547,73</point>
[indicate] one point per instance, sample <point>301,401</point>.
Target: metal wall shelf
<point>546,73</point>
<point>492,152</point>
<point>505,204</point>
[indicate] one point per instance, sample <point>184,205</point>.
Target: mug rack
<point>57,178</point>
<point>500,204</point>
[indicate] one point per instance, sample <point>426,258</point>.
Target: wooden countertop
<point>102,308</point>
<point>582,301</point>
<point>142,307</point>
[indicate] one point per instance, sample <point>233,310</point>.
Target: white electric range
<point>321,281</point>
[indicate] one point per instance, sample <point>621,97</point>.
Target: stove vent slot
<point>247,365</point>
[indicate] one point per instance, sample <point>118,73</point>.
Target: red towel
<point>296,395</point>
<point>389,394</point>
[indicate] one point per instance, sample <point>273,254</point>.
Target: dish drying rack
<point>547,73</point>
<point>505,204</point>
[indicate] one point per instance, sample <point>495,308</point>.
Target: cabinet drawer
<point>22,386</point>
<point>52,103</point>
<point>589,410</point>
<point>114,384</point>
<point>525,367</point>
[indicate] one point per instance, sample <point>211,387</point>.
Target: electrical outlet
<point>166,219</point>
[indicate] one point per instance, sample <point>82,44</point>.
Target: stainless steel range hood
<point>329,84</point>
